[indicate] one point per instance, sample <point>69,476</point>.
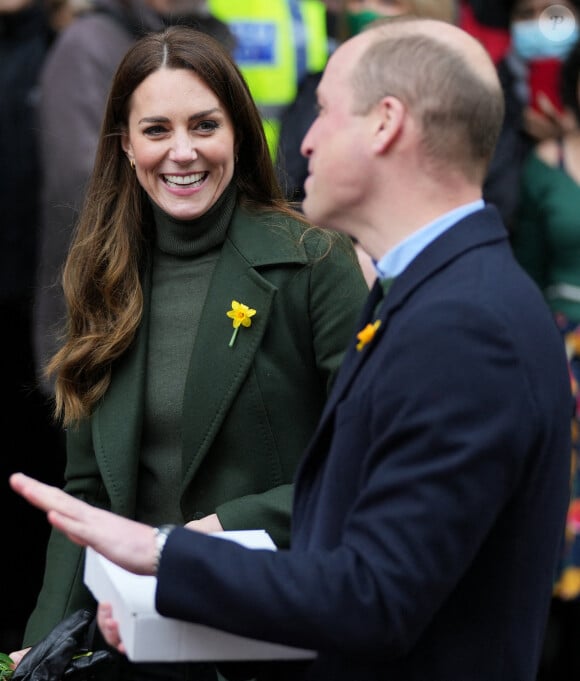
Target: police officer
<point>278,43</point>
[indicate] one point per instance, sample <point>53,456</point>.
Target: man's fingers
<point>37,493</point>
<point>547,107</point>
<point>48,498</point>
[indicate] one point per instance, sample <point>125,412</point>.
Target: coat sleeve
<point>63,590</point>
<point>430,470</point>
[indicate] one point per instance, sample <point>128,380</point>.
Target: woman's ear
<point>126,145</point>
<point>390,115</point>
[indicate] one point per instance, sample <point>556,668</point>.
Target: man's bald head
<point>443,76</point>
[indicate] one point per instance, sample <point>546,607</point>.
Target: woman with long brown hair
<point>206,318</point>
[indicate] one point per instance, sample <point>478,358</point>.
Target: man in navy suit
<point>430,503</point>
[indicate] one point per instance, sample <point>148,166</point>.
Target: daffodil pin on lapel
<point>367,334</point>
<point>241,315</point>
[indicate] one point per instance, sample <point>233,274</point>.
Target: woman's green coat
<point>248,410</point>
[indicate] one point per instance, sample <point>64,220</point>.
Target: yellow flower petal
<point>240,315</point>
<point>569,585</point>
<point>366,335</point>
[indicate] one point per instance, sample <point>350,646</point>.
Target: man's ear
<point>390,116</point>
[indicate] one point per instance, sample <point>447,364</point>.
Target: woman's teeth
<point>184,180</point>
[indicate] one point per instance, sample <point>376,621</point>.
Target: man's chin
<point>313,213</point>
<point>307,206</point>
<point>321,218</point>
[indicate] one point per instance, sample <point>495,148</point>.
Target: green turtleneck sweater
<point>184,258</point>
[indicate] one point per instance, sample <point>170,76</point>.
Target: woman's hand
<point>548,122</point>
<point>109,627</point>
<point>207,525</point>
<point>17,656</point>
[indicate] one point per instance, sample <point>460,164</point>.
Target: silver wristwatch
<point>161,534</point>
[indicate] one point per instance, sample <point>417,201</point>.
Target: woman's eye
<point>207,126</point>
<point>154,130</point>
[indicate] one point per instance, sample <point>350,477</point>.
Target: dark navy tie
<point>386,284</point>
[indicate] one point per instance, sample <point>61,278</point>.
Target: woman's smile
<point>181,141</point>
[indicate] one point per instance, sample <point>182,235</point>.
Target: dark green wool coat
<point>248,411</point>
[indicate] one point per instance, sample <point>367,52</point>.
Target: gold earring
<point>132,164</point>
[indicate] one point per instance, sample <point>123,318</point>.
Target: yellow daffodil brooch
<point>367,334</point>
<point>241,315</point>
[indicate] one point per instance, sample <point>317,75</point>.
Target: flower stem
<point>233,338</point>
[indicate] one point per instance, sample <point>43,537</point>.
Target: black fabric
<point>386,284</point>
<point>30,441</point>
<point>502,183</point>
<point>291,166</point>
<point>163,671</point>
<point>24,39</point>
<point>492,13</point>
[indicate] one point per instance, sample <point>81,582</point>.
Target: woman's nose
<point>182,149</point>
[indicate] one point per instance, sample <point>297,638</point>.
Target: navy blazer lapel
<point>483,226</point>
<point>354,358</point>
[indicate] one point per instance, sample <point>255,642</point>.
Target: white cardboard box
<point>150,637</point>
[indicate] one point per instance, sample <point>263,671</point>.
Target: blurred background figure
<point>278,42</point>
<point>26,32</point>
<point>546,241</point>
<point>73,91</point>
<point>487,20</point>
<point>349,18</point>
<point>62,12</point>
<point>529,73</point>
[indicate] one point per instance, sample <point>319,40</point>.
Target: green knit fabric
<point>546,237</point>
<point>183,262</point>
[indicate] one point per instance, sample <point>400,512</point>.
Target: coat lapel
<point>354,358</point>
<point>217,371</point>
<point>116,426</point>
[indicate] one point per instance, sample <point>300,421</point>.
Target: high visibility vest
<point>278,42</point>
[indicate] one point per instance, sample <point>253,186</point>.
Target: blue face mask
<point>530,42</point>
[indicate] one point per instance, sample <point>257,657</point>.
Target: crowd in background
<point>57,59</point>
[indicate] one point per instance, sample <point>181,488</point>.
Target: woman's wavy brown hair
<point>102,273</point>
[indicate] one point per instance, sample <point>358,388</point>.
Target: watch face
<point>161,534</point>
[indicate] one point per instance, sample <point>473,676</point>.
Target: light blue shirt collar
<point>399,257</point>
